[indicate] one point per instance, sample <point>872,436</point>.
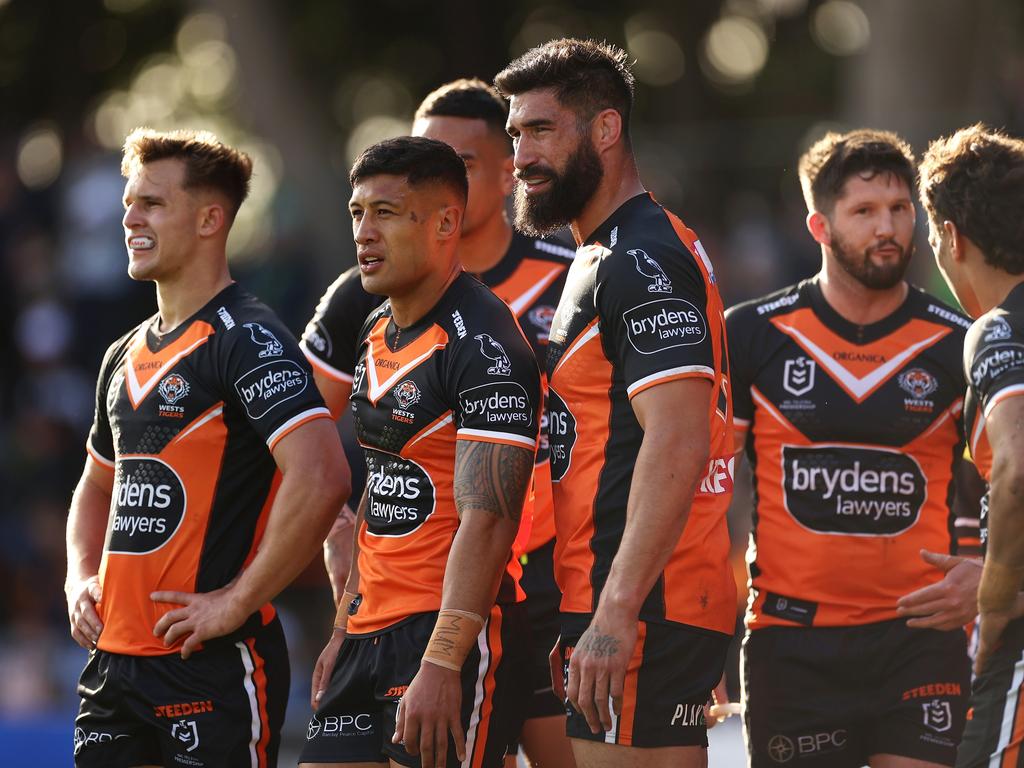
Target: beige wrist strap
<point>999,587</point>
<point>341,617</point>
<point>454,635</point>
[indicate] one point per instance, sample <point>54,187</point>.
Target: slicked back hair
<point>586,75</point>
<point>470,98</point>
<point>209,162</point>
<point>420,160</point>
<point>975,178</point>
<point>834,158</point>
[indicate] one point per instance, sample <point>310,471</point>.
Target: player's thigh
<point>898,761</point>
<point>544,741</point>
<point>592,754</point>
<point>798,699</point>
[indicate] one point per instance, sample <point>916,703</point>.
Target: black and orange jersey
<point>994,362</point>
<point>853,433</point>
<point>640,307</point>
<point>186,421</point>
<point>529,278</point>
<point>462,372</point>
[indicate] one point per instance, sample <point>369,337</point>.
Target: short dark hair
<point>209,162</point>
<point>420,160</point>
<point>975,178</point>
<point>587,76</point>
<point>835,157</point>
<point>468,97</point>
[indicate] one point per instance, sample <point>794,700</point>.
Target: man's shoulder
<point>935,310</point>
<point>553,248</point>
<point>763,308</point>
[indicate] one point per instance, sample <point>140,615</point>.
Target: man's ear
<point>957,250</point>
<point>449,222</point>
<point>508,179</point>
<point>212,218</point>
<point>606,129</point>
<point>820,228</point>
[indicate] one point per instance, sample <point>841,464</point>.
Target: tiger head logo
<point>407,394</point>
<point>173,388</point>
<point>918,383</point>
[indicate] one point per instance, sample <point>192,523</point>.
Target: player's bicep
<point>1004,426</point>
<point>492,478</point>
<point>335,392</point>
<point>678,409</point>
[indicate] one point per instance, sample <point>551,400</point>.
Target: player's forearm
<point>659,504</point>
<point>86,527</point>
<point>352,584</point>
<point>303,512</point>
<point>1004,559</point>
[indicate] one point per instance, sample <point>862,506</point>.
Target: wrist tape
<point>341,617</point>
<point>454,635</point>
<point>999,586</point>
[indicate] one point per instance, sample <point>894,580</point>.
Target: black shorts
<point>223,706</point>
<point>670,677</point>
<point>542,599</point>
<point>995,728</point>
<point>356,719</point>
<point>831,697</point>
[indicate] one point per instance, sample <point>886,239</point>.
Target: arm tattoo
<point>598,644</point>
<point>491,477</point>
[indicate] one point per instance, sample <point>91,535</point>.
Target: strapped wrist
<point>453,637</point>
<point>344,606</point>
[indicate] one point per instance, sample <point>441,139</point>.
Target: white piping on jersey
<point>772,410</point>
<point>99,457</point>
<point>702,370</point>
<point>431,430</point>
<point>319,410</point>
<point>1003,394</point>
<point>860,387</point>
<point>471,433</point>
<point>979,428</point>
<point>316,362</point>
<point>524,300</point>
<point>376,390</point>
<point>137,391</point>
<point>250,690</point>
<point>576,345</point>
<point>211,415</point>
<point>478,697</point>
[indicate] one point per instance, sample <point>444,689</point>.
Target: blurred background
<point>729,94</point>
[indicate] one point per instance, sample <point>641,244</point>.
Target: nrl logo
<point>173,388</point>
<point>937,715</point>
<point>186,733</point>
<point>798,376</point>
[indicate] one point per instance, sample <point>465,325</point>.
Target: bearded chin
<point>859,267</point>
<point>567,195</point>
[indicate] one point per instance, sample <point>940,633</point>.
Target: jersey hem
<point>324,368</point>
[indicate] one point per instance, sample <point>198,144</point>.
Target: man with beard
<point>848,391</point>
<point>640,420</point>
<point>971,189</point>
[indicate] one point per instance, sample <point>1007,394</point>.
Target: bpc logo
<point>798,376</point>
<point>781,749</point>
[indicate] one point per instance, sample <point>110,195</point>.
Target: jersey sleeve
<point>494,384</point>
<point>331,338</point>
<point>268,378</point>
<point>994,353</point>
<point>738,332</point>
<point>100,443</point>
<point>652,305</point>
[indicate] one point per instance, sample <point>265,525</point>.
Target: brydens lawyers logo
<point>798,376</point>
<point>652,270</point>
<point>494,352</point>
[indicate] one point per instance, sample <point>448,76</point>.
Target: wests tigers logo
<point>407,393</point>
<point>918,383</point>
<point>173,388</point>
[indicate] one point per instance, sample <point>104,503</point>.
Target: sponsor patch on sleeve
<point>994,361</point>
<point>662,324</point>
<point>503,403</point>
<point>267,386</point>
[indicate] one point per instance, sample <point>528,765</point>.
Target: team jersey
<point>462,372</point>
<point>994,363</point>
<point>853,433</point>
<point>187,421</point>
<point>640,308</point>
<point>529,278</point>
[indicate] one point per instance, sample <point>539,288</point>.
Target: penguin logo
<point>652,270</point>
<point>264,338</point>
<point>494,352</point>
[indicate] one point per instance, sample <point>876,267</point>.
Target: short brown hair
<point>471,98</point>
<point>975,178</point>
<point>209,163</point>
<point>835,157</point>
<point>587,76</point>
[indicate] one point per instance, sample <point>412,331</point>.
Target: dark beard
<point>864,271</point>
<point>566,197</point>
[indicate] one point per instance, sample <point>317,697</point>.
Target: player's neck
<point>408,308</point>
<point>993,286</point>
<point>182,295</point>
<point>485,247</point>
<point>621,182</point>
<point>855,302</point>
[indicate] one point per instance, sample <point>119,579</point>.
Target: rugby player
<point>528,274</point>
<point>848,395</point>
<point>446,395</point>
<point>176,539</point>
<point>972,188</point>
<point>640,420</point>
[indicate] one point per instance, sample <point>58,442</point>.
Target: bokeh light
<point>735,51</point>
<point>370,131</point>
<point>40,156</point>
<point>841,28</point>
<point>659,56</point>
